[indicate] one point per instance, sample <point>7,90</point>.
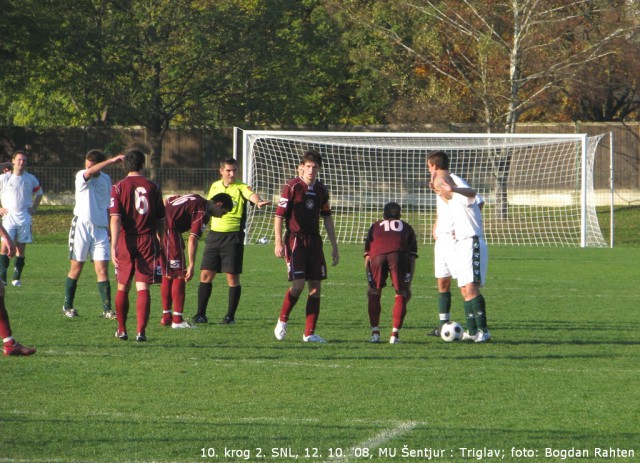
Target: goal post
<point>538,188</point>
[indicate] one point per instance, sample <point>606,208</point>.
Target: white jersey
<point>466,216</point>
<point>16,195</point>
<point>444,223</point>
<point>92,199</point>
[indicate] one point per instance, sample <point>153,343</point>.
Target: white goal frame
<point>538,188</point>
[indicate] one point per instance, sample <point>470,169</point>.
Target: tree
<point>500,58</point>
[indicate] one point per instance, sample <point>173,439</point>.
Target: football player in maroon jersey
<point>185,213</point>
<point>137,229</point>
<point>390,249</point>
<point>303,201</point>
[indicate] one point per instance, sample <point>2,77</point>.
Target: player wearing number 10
<point>137,228</point>
<point>390,248</point>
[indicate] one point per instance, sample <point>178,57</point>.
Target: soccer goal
<point>538,188</point>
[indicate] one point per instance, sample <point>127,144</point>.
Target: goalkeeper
<point>470,249</point>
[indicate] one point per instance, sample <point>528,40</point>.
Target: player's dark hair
<point>391,211</point>
<point>95,156</point>
<point>17,152</point>
<point>223,199</point>
<point>228,162</point>
<point>312,156</point>
<point>440,159</point>
<point>134,161</point>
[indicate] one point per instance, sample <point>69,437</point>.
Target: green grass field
<point>561,374</point>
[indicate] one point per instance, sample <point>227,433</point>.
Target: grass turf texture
<point>562,372</point>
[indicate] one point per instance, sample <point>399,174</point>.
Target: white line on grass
<point>377,441</point>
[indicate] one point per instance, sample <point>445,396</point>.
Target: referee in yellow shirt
<point>224,245</point>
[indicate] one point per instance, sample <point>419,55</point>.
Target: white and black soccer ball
<point>451,331</point>
<point>263,240</point>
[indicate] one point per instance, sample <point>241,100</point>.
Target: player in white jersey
<point>444,252</point>
<point>470,249</point>
<point>89,233</point>
<point>20,195</point>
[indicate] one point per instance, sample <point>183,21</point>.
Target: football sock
<point>374,308</point>
<point>234,300</point>
<point>4,265</point>
<point>313,311</point>
<point>287,305</point>
<point>399,311</point>
<point>70,287</point>
<point>5,328</point>
<point>17,271</point>
<point>178,294</point>
<point>204,293</point>
<point>470,315</point>
<point>104,289</point>
<point>143,308</point>
<point>480,311</point>
<point>444,307</point>
<point>122,310</point>
<point>165,294</point>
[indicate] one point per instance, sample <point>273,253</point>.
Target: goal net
<point>538,188</point>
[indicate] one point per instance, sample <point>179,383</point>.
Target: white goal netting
<point>538,189</point>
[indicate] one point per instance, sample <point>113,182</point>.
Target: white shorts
<point>471,261</point>
<point>443,254</point>
<point>88,241</point>
<point>19,233</point>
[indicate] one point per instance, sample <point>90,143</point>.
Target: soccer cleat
<point>121,336</point>
<point>469,337</point>
<point>375,338</point>
<point>280,330</point>
<point>435,333</point>
<point>18,350</point>
<point>16,283</point>
<point>71,313</point>
<point>394,340</point>
<point>109,315</point>
<point>483,336</point>
<point>200,319</point>
<point>166,320</point>
<point>182,324</point>
<point>227,321</point>
<point>141,337</point>
<point>313,338</point>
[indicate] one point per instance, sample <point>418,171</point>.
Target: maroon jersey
<point>387,236</point>
<point>301,206</point>
<point>138,201</point>
<point>187,213</point>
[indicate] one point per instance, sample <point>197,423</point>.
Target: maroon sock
<point>178,294</point>
<point>122,310</point>
<point>399,311</point>
<point>374,309</point>
<point>313,312</point>
<point>143,307</point>
<point>287,305</point>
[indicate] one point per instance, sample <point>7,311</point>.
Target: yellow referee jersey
<point>234,220</point>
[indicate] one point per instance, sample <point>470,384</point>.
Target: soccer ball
<point>263,240</point>
<point>451,331</point>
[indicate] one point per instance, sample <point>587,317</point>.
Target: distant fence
<point>190,157</point>
<point>58,183</point>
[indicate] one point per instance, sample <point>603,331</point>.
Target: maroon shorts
<point>395,264</point>
<point>138,257</point>
<point>173,262</point>
<point>305,258</point>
